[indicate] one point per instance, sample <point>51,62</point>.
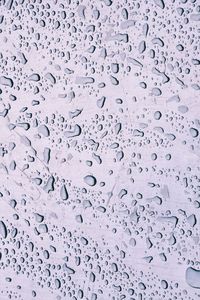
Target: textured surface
<point>99,150</point>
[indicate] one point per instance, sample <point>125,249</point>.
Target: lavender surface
<point>100,150</point>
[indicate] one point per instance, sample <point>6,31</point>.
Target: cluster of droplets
<point>99,149</point>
